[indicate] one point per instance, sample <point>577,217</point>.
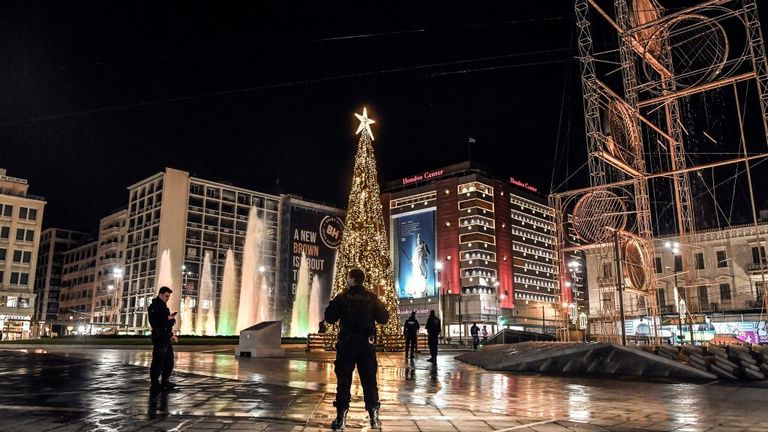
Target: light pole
<point>681,304</point>
<point>438,268</point>
<point>114,288</point>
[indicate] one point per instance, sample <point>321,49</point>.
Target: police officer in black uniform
<point>358,311</point>
<point>162,322</point>
<point>410,331</point>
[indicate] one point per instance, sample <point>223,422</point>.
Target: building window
<point>725,291</point>
<point>32,214</point>
<point>662,297</point>
<point>722,259</point>
<point>607,269</point>
<point>756,253</point>
<point>659,265</point>
<point>678,263</point>
<point>8,210</point>
<point>24,278</point>
<point>759,291</point>
<point>14,278</point>
<point>5,232</point>
<point>699,258</point>
<point>19,234</point>
<point>3,251</point>
<point>703,296</point>
<point>17,256</point>
<point>23,212</point>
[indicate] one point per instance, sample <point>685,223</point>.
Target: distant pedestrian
<point>433,331</point>
<point>484,333</point>
<point>411,332</point>
<point>321,328</point>
<point>358,311</point>
<point>475,332</point>
<point>162,321</point>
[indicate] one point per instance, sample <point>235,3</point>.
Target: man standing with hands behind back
<point>358,311</point>
<point>162,321</point>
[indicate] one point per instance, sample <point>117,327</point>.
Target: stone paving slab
<point>106,390</point>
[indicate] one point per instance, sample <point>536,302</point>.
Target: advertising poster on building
<point>317,235</point>
<point>415,254</point>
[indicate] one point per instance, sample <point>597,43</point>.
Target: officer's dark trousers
<point>432,340</point>
<point>410,344</point>
<point>350,352</point>
<point>162,358</point>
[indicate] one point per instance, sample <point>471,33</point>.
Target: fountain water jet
<point>228,302</point>
<point>250,310</point>
<point>315,303</point>
<point>299,315</point>
<point>205,301</point>
<point>186,317</point>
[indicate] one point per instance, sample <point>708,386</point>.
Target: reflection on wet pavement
<point>102,389</point>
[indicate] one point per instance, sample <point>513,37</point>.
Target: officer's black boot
<point>340,421</point>
<point>373,413</point>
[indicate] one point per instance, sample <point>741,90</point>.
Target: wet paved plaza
<point>84,389</point>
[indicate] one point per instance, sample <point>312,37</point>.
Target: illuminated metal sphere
<point>597,214</point>
<point>635,263</point>
<point>694,47</point>
<point>623,137</point>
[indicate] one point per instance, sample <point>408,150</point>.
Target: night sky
<point>98,95</point>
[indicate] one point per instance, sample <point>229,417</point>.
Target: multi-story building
<point>109,271</point>
<point>78,278</point>
<point>716,280</point>
<point>53,243</point>
<point>21,216</point>
<point>474,245</point>
<point>174,220</point>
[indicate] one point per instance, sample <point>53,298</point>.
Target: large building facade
<point>21,216</point>
<point>475,246</point>
<point>174,221</point>
<point>50,266</point>
<point>78,278</point>
<point>716,282</point>
<point>110,256</point>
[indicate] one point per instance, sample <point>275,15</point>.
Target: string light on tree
<point>365,244</point>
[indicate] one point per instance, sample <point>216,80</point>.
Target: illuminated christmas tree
<point>364,244</point>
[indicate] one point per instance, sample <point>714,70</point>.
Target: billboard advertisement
<point>317,235</point>
<point>415,254</point>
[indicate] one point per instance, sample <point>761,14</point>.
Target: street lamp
<point>674,247</point>
<point>438,269</point>
<point>117,276</point>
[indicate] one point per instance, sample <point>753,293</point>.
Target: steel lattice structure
<point>665,58</point>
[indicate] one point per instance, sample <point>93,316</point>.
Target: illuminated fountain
<point>300,315</point>
<point>186,317</point>
<point>165,271</point>
<point>228,302</point>
<point>205,301</point>
<point>315,304</point>
<point>252,306</point>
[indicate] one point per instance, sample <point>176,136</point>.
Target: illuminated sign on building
<point>523,184</point>
<point>423,176</point>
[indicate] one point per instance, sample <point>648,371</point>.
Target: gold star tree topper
<point>365,123</point>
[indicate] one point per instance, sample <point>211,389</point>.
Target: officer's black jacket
<point>158,318</point>
<point>411,327</point>
<point>358,310</point>
<point>433,325</point>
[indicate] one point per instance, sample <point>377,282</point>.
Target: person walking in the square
<point>411,331</point>
<point>162,321</point>
<point>357,310</point>
<point>433,330</point>
<point>484,333</point>
<point>475,332</point>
